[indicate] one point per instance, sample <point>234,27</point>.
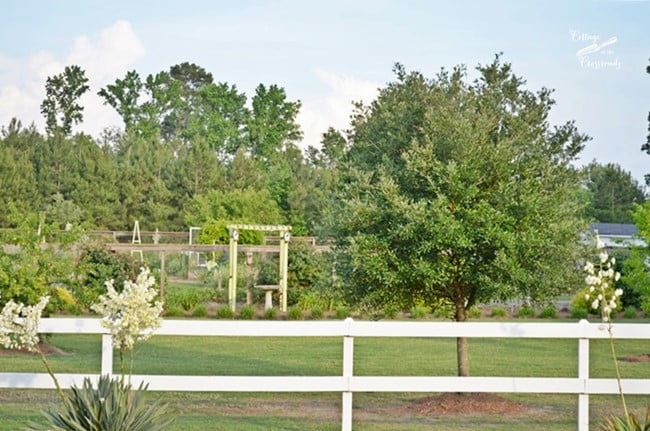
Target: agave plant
<point>615,423</point>
<point>112,406</point>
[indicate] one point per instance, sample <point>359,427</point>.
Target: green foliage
<point>342,312</point>
<point>65,301</point>
<point>172,310</point>
<point>443,309</point>
<point>309,272</point>
<point>474,312</point>
<point>123,96</point>
<point>272,124</point>
<point>498,312</point>
<point>313,299</point>
<point>112,406</point>
<point>459,190</point>
<point>579,301</point>
<point>316,313</point>
<point>216,231</point>
<point>420,311</point>
<point>187,299</point>
<point>526,311</point>
<point>548,312</point>
<point>96,266</point>
<point>224,312</point>
<point>271,314</point>
<point>247,312</point>
<point>239,206</point>
<point>615,423</point>
<point>613,193</point>
<point>390,311</point>
<point>190,151</point>
<point>200,311</point>
<point>579,312</point>
<point>295,313</point>
<point>630,312</point>
<point>28,270</point>
<point>60,106</point>
<point>636,272</point>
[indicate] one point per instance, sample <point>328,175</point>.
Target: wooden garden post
<point>232,273</point>
<point>284,263</point>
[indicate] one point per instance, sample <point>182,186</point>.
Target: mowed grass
<point>322,357</point>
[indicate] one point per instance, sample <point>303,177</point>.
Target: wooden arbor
<point>285,236</point>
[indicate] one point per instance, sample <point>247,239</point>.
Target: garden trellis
<point>285,236</point>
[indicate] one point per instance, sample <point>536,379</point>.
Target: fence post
<point>107,354</point>
<point>583,374</point>
<point>348,365</point>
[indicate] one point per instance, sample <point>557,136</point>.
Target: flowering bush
<point>130,315</point>
<point>19,324</point>
<point>601,279</point>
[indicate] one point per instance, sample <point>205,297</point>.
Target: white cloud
<point>104,58</point>
<point>334,108</point>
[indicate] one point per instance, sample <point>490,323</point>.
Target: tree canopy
<point>612,193</point>
<point>458,191</point>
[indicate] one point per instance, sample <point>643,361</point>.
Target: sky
<point>593,53</point>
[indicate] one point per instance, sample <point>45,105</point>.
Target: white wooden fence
<point>348,383</point>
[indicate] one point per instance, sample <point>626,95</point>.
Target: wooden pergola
<point>285,236</point>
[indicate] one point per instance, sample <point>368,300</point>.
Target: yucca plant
<point>615,423</point>
<point>113,406</point>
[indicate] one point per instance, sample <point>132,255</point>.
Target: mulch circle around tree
<point>637,358</point>
<point>466,404</point>
<point>48,349</point>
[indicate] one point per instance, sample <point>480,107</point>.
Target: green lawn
<point>322,356</point>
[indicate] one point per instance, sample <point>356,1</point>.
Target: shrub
<point>107,408</point>
<point>390,311</point>
<point>215,231</point>
<point>316,313</point>
<point>526,311</point>
<point>579,312</point>
<point>548,312</point>
<point>342,312</point>
<point>498,312</point>
<point>247,312</point>
<point>312,298</point>
<point>224,312</point>
<point>310,275</point>
<point>420,311</point>
<point>187,299</point>
<point>271,314</point>
<point>295,313</point>
<point>443,309</point>
<point>174,311</point>
<point>96,265</point>
<point>580,300</point>
<point>474,312</point>
<point>200,311</point>
<point>629,312</point>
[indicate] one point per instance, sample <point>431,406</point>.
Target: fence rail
<point>347,383</point>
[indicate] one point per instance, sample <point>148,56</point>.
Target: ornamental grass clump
<point>112,406</point>
<point>602,295</point>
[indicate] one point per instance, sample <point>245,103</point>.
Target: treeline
<point>190,150</point>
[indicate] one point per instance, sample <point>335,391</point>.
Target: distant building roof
<point>614,229</point>
<point>618,235</point>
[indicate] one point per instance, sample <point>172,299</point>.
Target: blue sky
<point>329,53</point>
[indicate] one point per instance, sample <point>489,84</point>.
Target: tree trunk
<point>462,355</point>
